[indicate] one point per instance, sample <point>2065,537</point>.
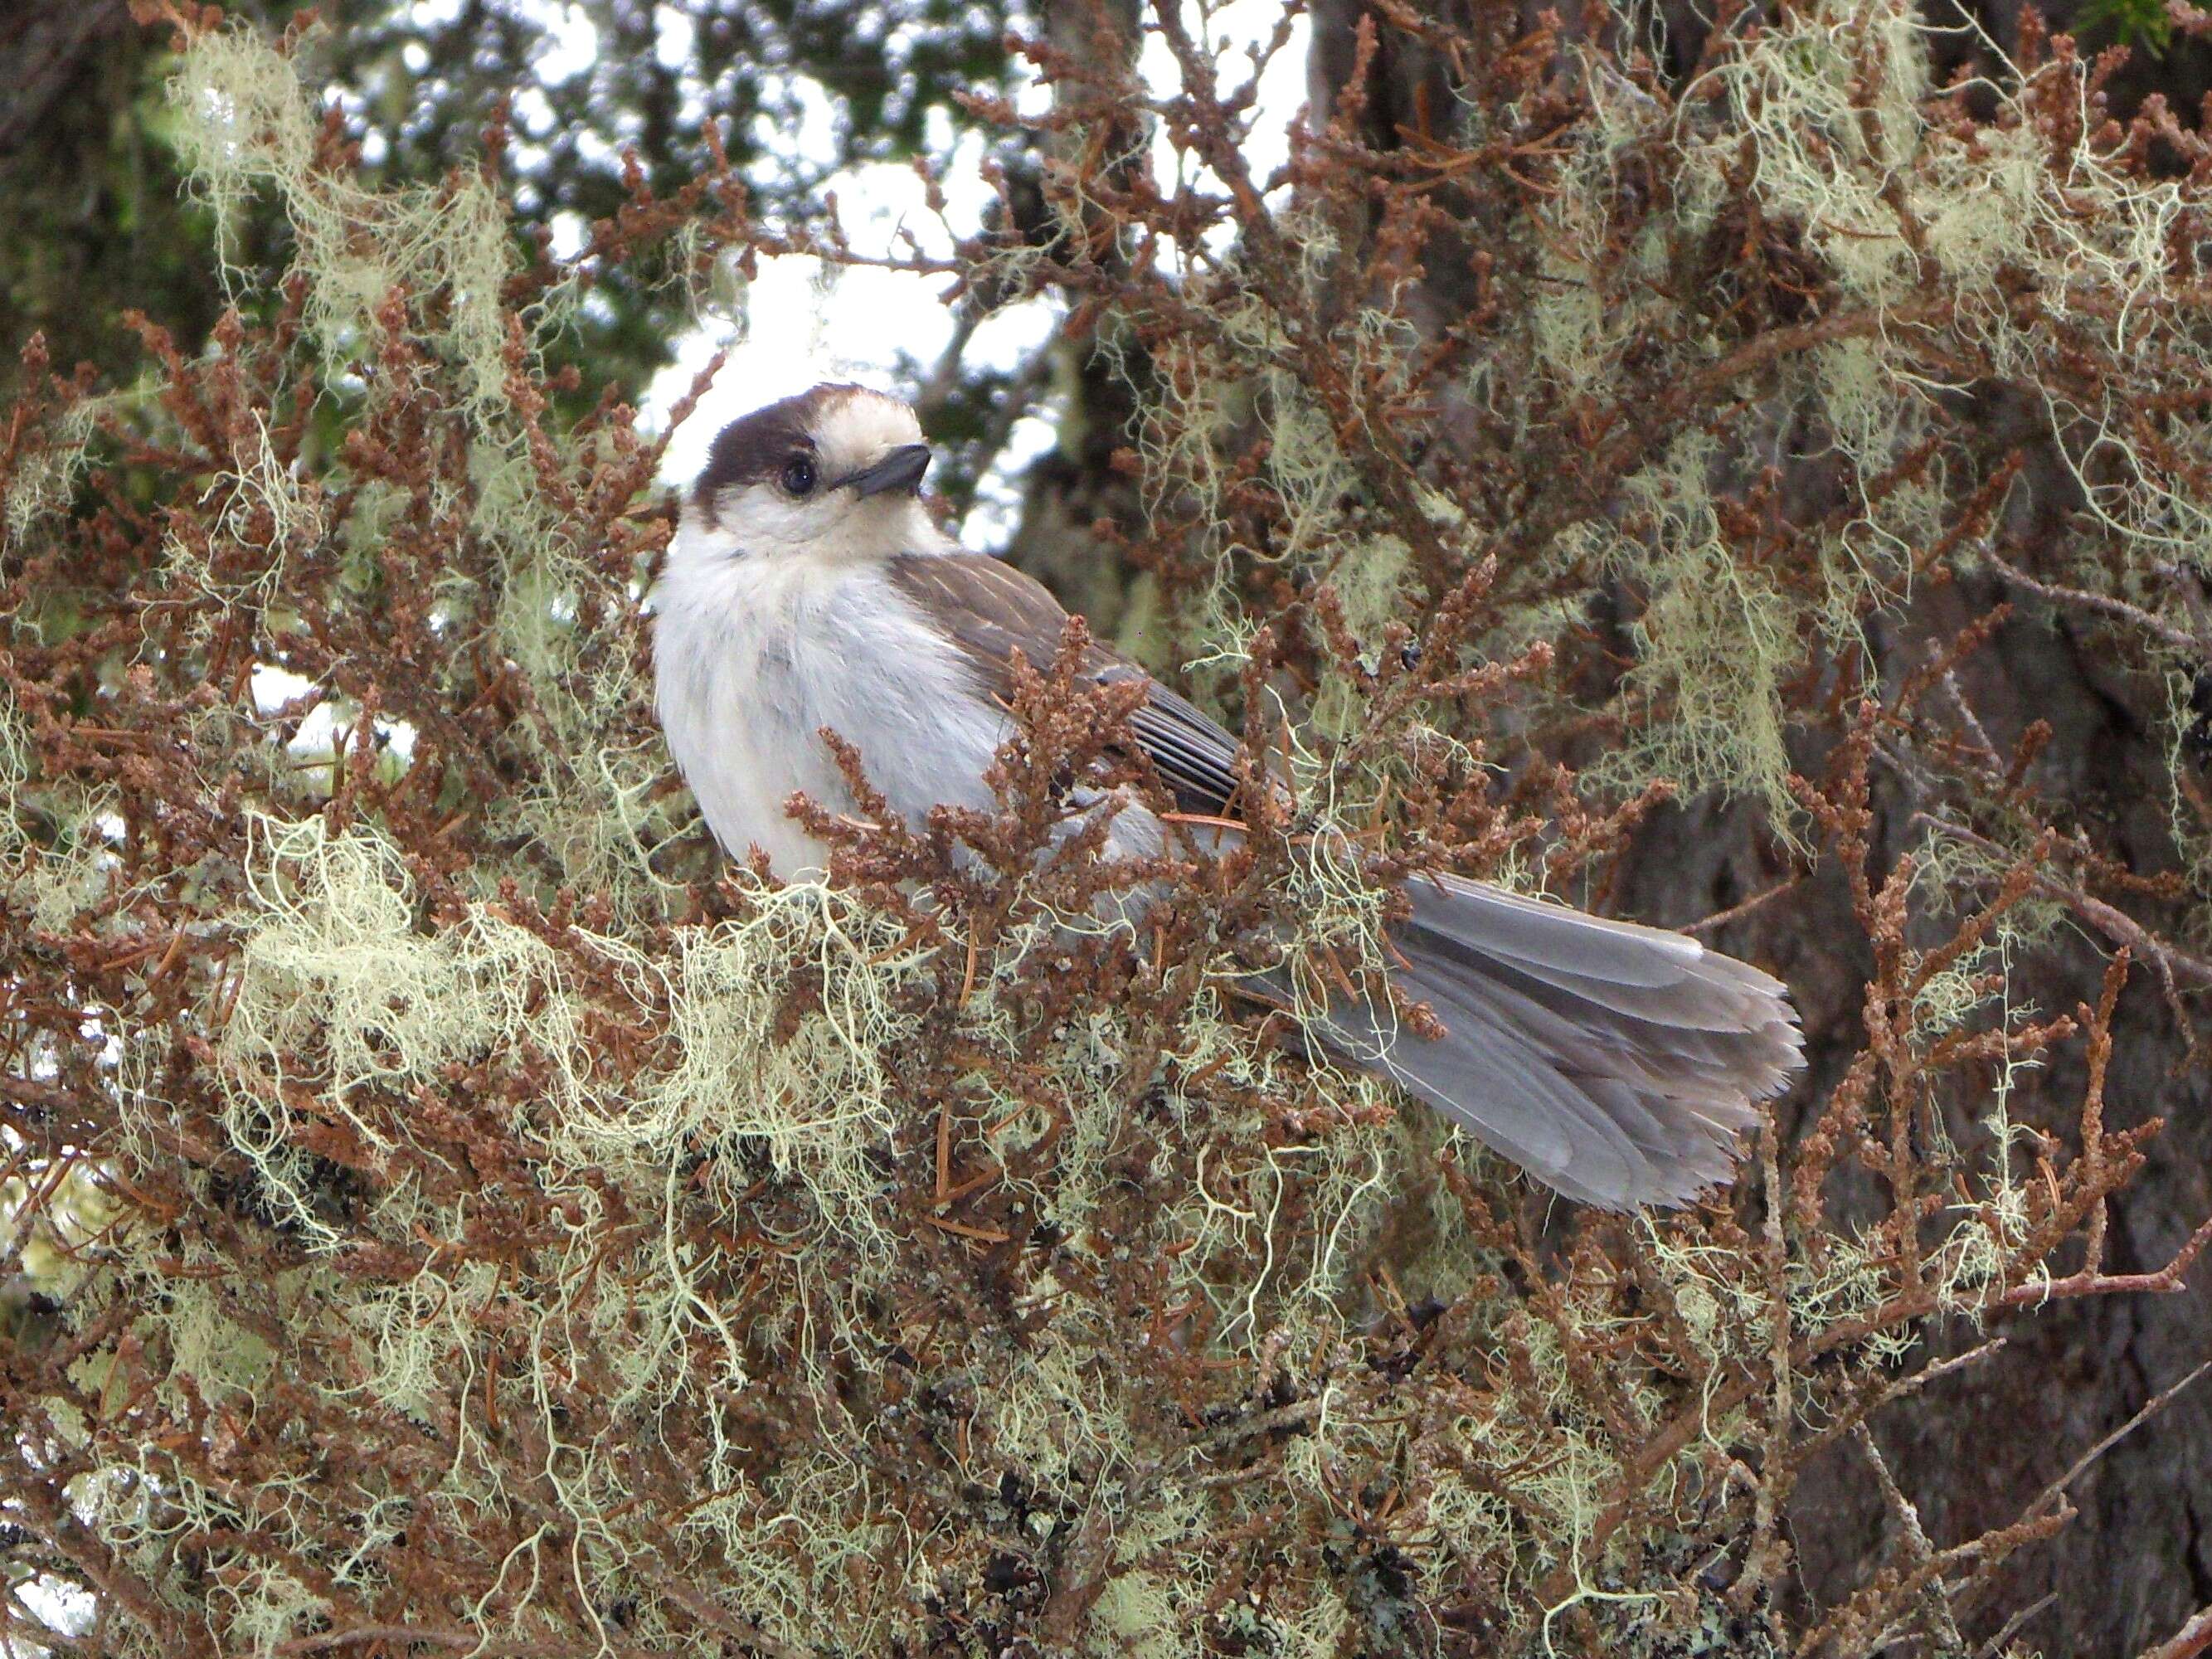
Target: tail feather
<point>1618,1064</point>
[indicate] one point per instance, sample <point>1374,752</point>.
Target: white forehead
<point>857,428</point>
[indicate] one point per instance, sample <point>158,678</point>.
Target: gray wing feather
<point>1668,1046</point>
<point>1194,756</point>
<point>990,609</point>
<point>1617,1063</point>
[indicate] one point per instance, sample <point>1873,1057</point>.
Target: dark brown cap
<point>756,447</point>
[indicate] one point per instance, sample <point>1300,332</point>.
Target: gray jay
<point>807,587</point>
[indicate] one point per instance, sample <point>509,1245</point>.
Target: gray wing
<point>1618,1064</point>
<point>991,609</point>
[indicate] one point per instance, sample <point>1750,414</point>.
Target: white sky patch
<point>274,687</point>
<point>574,45</point>
<point>675,37</point>
<point>801,324</point>
<point>67,1611</point>
<point>571,233</point>
<point>1235,30</point>
<point>814,138</point>
<point>317,738</point>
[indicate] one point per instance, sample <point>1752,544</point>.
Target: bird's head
<point>832,474</point>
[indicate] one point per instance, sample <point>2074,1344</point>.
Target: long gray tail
<point>1613,1062</point>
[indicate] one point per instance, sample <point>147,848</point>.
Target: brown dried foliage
<point>1487,1427</point>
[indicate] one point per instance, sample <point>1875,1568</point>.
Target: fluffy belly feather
<point>748,678</point>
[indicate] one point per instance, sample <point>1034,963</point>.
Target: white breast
<point>755,654</point>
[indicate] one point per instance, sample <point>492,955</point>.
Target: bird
<point>808,587</point>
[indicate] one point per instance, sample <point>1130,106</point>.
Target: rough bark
<point>1974,1449</point>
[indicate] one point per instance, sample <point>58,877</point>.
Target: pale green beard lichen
<point>42,483</point>
<point>1713,641</point>
<point>347,1007</point>
<point>336,982</point>
<point>245,124</point>
<point>1863,175</point>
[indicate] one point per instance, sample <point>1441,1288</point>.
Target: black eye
<point>799,474</point>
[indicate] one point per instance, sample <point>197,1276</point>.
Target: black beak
<point>900,470</point>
